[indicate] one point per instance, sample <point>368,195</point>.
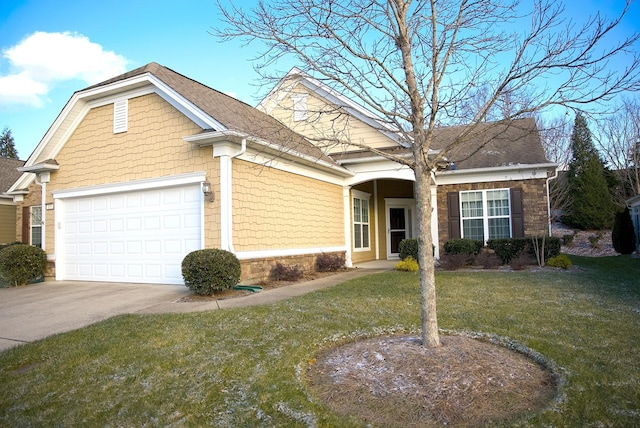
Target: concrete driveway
<point>36,311</point>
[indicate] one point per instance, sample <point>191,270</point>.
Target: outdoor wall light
<point>208,193</point>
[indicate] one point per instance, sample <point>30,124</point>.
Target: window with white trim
<point>299,106</point>
<point>35,225</point>
<point>361,229</point>
<point>485,214</point>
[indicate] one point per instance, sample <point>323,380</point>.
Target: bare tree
<point>618,139</point>
<point>415,63</point>
<point>555,134</point>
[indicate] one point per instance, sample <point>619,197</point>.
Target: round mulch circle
<point>394,381</point>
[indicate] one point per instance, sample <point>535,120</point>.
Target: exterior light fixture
<point>208,193</point>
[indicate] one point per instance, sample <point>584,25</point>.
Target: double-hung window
<point>485,214</point>
<point>361,220</point>
<point>35,224</point>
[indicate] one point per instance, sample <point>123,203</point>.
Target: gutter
<point>555,175</point>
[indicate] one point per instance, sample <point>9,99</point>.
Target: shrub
<point>561,261</point>
<point>594,240</point>
<point>622,235</point>
<point>408,264</point>
<point>21,263</point>
<point>3,246</point>
<point>508,249</point>
<point>453,261</point>
<point>281,272</point>
<point>487,260</point>
<point>522,261</point>
<point>568,239</point>
<point>409,248</point>
<point>463,246</point>
<point>210,270</point>
<point>329,262</point>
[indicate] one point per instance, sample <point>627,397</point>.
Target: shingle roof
<point>230,112</point>
<point>493,144</point>
<point>8,173</point>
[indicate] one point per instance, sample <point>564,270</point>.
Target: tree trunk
<point>428,314</point>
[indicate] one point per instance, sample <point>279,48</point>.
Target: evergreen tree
<point>622,235</point>
<point>591,204</point>
<point>7,145</point>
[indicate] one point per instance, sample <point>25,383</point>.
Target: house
<point>8,175</point>
<point>140,170</point>
<point>634,211</point>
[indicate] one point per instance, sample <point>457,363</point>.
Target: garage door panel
<point>131,237</point>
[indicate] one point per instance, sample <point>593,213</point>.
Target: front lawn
<point>245,367</point>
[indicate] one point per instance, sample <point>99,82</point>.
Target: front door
<point>400,218</point>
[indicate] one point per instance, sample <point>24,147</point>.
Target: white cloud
<point>43,59</point>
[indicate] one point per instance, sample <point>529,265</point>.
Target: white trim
<point>408,204</point>
<point>346,221</point>
<point>265,254</point>
<point>495,174</point>
<point>376,220</point>
<point>364,197</point>
<point>129,186</point>
<point>485,212</point>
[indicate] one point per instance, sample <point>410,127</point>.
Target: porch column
<point>346,202</point>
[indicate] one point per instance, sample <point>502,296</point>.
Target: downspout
<point>555,175</point>
<point>226,197</point>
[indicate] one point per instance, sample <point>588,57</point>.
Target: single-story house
<point>8,175</point>
<point>140,170</point>
<point>634,211</point>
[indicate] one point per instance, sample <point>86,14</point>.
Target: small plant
<point>568,239</point>
<point>594,240</point>
<point>282,272</point>
<point>408,264</point>
<point>329,262</point>
<point>408,248</point>
<point>521,262</point>
<point>210,270</point>
<point>561,261</point>
<point>21,263</point>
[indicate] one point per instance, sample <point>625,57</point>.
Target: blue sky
<point>49,49</point>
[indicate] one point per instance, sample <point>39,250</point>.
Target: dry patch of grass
<point>394,381</point>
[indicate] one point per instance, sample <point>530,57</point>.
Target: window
<point>485,214</point>
<point>299,106</point>
<point>361,220</point>
<point>35,225</point>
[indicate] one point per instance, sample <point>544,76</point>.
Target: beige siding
<point>273,210</point>
<point>7,223</point>
<point>329,124</point>
<point>33,198</point>
<point>152,147</point>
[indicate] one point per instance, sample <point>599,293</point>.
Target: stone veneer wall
<point>534,201</point>
<point>258,270</point>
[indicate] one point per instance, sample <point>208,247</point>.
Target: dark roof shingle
<point>9,173</point>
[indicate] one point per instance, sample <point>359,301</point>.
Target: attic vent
<point>299,106</point>
<point>120,116</point>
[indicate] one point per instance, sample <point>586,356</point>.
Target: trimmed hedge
<point>210,270</point>
<point>463,246</point>
<point>21,263</point>
<point>408,248</point>
<point>509,248</point>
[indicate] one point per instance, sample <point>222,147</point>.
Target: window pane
<point>356,209</point>
<point>471,204</point>
<point>499,228</point>
<point>357,236</point>
<point>473,229</point>
<point>365,212</point>
<point>365,236</point>
<point>498,202</point>
<point>36,215</point>
<point>36,236</point>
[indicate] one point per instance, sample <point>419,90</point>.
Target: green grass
<point>245,367</point>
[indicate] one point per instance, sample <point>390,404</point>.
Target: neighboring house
<point>142,169</point>
<point>8,175</point>
<point>634,211</point>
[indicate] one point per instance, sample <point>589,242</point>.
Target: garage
<point>124,235</point>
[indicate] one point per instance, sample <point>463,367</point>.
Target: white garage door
<point>137,236</point>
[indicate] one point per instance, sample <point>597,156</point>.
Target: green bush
<point>408,248</point>
<point>508,249</point>
<point>561,261</point>
<point>210,270</point>
<point>622,236</point>
<point>568,239</point>
<point>3,246</point>
<point>21,263</point>
<point>408,264</point>
<point>327,262</point>
<point>463,246</point>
